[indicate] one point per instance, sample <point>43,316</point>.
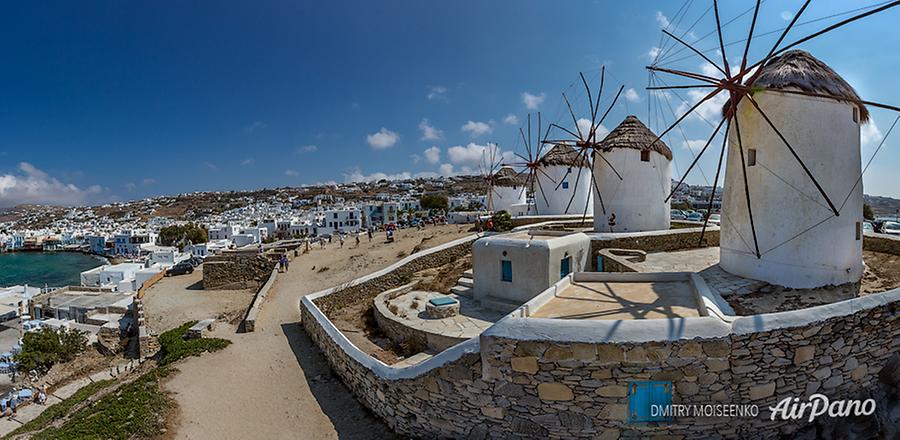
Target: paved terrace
<point>469,323</point>
<point>622,300</point>
<point>703,261</point>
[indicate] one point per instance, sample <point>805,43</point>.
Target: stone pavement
<point>705,262</point>
<point>469,323</point>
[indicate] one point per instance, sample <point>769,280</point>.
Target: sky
<point>108,100</point>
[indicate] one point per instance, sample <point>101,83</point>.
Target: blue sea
<point>53,269</point>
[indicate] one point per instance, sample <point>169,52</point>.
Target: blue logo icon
<point>649,401</point>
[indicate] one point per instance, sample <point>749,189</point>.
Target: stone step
<point>462,291</point>
<point>466,282</point>
<point>468,274</point>
<point>499,304</point>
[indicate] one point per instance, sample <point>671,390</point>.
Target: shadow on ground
<point>350,418</point>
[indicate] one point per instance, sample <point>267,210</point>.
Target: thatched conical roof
<point>507,177</point>
<point>564,156</point>
<point>798,69</point>
<point>632,133</point>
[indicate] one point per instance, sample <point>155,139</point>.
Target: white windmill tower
<point>632,181</point>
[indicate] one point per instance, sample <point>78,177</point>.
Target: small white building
<point>635,201</point>
<point>510,269</point>
<point>507,191</point>
<point>129,242</point>
<point>561,182</point>
<point>796,249</point>
<point>343,220</point>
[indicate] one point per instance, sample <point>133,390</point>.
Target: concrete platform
<point>622,300</point>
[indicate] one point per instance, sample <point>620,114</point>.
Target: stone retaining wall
<point>236,271</point>
<point>355,292</point>
<point>400,332</point>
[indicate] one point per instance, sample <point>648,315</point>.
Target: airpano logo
<point>819,405</point>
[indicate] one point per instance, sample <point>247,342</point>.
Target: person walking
<point>357,240</point>
<point>369,232</point>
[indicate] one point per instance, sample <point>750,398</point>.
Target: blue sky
<point>111,100</point>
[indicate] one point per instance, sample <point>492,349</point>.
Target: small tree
<point>434,201</point>
<point>181,235</point>
<point>43,348</point>
<point>868,213</point>
<point>502,221</point>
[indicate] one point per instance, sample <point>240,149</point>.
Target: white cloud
<point>511,119</point>
<point>255,126</point>
<point>210,165</point>
<point>290,173</point>
<point>584,125</point>
<point>31,185</point>
<point>436,93</point>
<point>653,53</point>
<point>130,186</point>
<point>473,157</point>
<point>662,20</point>
<point>787,15</point>
<point>446,169</point>
<point>356,175</point>
<point>383,139</point>
<point>476,129</point>
<point>869,133</point>
<point>711,110</point>
<point>429,132</point>
<point>631,95</point>
<point>532,101</point>
<point>432,155</point>
<point>694,144</point>
<point>248,161</point>
<point>149,181</point>
<point>307,149</point>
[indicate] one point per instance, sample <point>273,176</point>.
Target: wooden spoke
<point>750,36</point>
<point>715,184</point>
<point>574,119</point>
<point>696,159</point>
<point>588,91</point>
<point>721,41</point>
<point>594,129</point>
<point>737,129</point>
<point>694,50</point>
<point>688,112</point>
<point>684,86</point>
<point>610,165</point>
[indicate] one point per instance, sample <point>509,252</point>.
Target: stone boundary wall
<point>249,323</point>
<point>888,244</point>
<point>532,377</point>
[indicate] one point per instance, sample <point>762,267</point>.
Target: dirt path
<point>274,383</point>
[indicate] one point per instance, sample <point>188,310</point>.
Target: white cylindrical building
<point>636,202</point>
<point>802,244</point>
<point>559,179</point>
<point>508,191</point>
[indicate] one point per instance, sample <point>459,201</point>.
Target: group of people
<point>283,263</point>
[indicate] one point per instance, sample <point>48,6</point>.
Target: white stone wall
<point>638,198</point>
<point>785,201</point>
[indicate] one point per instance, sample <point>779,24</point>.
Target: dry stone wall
<point>657,241</point>
<point>354,293</point>
<point>236,271</point>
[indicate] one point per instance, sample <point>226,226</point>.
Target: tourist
<point>341,239</point>
<point>287,264</point>
<point>357,240</point>
<point>369,232</point>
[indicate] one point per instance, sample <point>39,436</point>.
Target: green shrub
<point>502,221</point>
<point>45,347</point>
<point>181,235</point>
<point>174,347</point>
<point>59,410</point>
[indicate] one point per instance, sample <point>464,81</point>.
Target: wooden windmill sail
<point>490,164</point>
<point>579,145</point>
<point>531,173</point>
<point>794,161</point>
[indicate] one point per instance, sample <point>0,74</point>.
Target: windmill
<point>793,139</point>
<point>530,167</point>
<point>490,164</point>
<point>579,150</point>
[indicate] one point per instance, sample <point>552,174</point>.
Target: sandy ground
<point>175,300</point>
<point>274,383</point>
